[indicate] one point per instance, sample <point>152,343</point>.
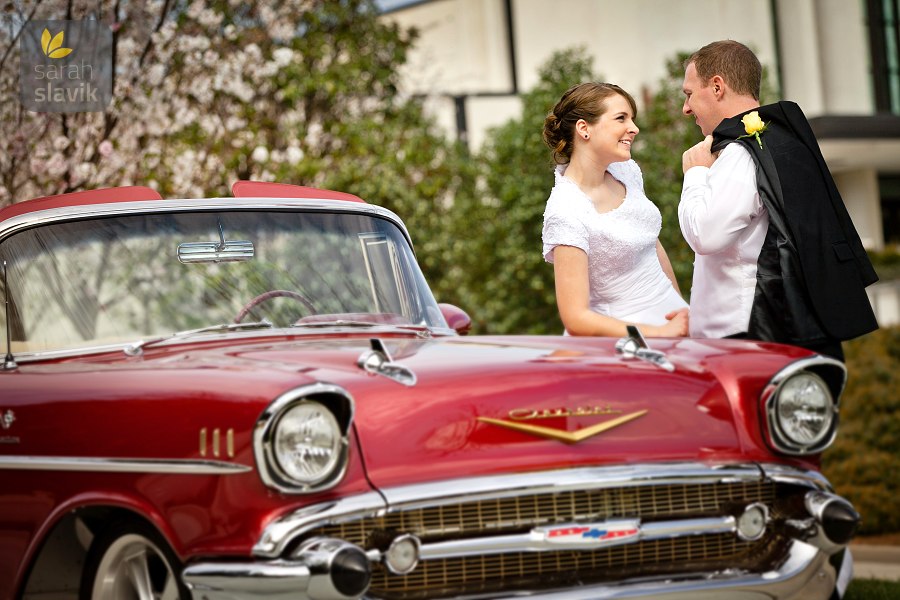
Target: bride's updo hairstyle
<point>583,101</point>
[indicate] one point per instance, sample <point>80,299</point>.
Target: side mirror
<point>456,318</point>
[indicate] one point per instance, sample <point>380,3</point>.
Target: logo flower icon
<point>51,44</point>
<point>754,126</point>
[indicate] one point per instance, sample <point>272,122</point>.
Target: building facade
<point>838,59</point>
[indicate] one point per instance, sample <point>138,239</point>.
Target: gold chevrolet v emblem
<point>565,436</point>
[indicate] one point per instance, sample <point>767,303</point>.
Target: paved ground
<point>876,562</point>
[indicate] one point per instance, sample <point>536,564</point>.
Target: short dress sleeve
<point>563,227</point>
<point>629,173</point>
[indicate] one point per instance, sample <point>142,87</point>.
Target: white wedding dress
<point>626,280</point>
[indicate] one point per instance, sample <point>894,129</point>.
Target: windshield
<point>117,279</point>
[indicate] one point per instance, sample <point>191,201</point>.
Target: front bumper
<point>806,574</point>
<point>330,552</point>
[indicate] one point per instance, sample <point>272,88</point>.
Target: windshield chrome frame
<point>112,209</point>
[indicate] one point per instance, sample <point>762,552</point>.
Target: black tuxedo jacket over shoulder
<point>812,269</point>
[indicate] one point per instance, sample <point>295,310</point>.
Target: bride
<point>601,232</point>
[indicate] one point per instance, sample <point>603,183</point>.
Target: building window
<point>883,17</point>
<point>890,208</point>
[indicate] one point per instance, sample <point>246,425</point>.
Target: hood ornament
<point>378,361</point>
<point>635,346</point>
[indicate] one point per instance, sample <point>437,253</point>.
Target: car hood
<point>480,405</point>
<point>484,405</point>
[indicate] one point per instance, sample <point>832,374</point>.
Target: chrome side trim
<point>122,465</point>
<point>279,534</point>
<point>538,540</point>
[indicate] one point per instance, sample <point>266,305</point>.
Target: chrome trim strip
<point>281,532</point>
<point>26,357</point>
<point>69,213</point>
<point>785,474</point>
<point>29,357</point>
<point>538,541</point>
<point>122,465</point>
<point>661,530</point>
<point>793,579</point>
<point>811,361</point>
<point>504,486</point>
<point>845,574</point>
<point>226,581</point>
<point>266,463</point>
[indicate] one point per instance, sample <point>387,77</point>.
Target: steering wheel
<point>274,294</point>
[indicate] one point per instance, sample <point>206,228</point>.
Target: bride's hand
<point>677,325</point>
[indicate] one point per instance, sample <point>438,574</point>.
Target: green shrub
<point>886,262</point>
<point>873,589</point>
<point>864,463</point>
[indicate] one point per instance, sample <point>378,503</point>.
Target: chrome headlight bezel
<point>828,375</point>
<point>336,410</point>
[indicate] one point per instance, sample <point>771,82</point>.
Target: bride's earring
<point>586,136</point>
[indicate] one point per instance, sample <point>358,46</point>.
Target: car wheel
<point>131,561</point>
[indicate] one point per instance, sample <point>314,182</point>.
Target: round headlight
<point>804,410</point>
<point>307,443</point>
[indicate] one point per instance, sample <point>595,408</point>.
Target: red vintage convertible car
<point>259,397</point>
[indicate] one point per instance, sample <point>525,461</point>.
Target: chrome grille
<point>450,577</point>
<point>444,577</point>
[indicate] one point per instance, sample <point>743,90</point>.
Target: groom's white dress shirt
<point>725,224</point>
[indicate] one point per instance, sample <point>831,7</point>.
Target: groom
<point>777,257</point>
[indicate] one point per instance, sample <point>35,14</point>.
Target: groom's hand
<point>699,155</point>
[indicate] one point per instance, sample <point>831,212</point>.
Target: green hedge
<point>864,463</point>
<point>873,589</point>
<point>886,262</point>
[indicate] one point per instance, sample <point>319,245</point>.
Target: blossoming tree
<point>209,92</point>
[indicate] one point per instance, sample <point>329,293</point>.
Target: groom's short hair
<point>732,61</point>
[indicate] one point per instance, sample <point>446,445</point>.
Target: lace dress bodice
<point>626,279</point>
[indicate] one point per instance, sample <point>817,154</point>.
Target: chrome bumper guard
<point>320,569</point>
<point>332,569</point>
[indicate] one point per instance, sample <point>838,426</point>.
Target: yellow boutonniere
<point>754,126</point>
